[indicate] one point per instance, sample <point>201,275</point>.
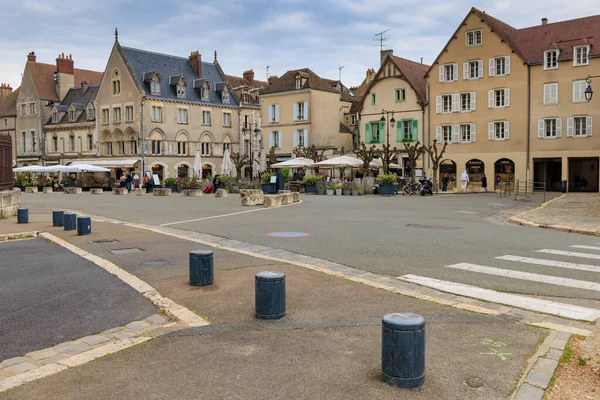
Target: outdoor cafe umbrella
<point>340,162</point>
<point>76,168</point>
<point>377,163</point>
<point>299,162</point>
<point>226,165</point>
<point>198,164</point>
<point>31,168</point>
<point>263,160</point>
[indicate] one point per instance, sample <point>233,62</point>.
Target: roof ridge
<point>162,54</point>
<point>558,22</point>
<point>411,61</point>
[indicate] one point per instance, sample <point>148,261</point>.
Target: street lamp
<point>248,128</point>
<point>392,123</point>
<point>588,91</point>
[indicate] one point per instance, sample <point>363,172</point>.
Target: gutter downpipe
<point>143,147</point>
<point>527,164</point>
<point>428,123</point>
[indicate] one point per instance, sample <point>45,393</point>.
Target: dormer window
<point>205,92</point>
<point>245,98</point>
<point>298,82</point>
<point>155,86</point>
<point>181,91</point>
<point>580,55</point>
<point>225,97</point>
<point>71,114</point>
<point>54,116</point>
<point>90,112</point>
<point>551,59</point>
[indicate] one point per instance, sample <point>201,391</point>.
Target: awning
<point>112,163</point>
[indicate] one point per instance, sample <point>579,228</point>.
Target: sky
<point>321,35</point>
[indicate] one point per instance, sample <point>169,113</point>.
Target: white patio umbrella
<point>31,168</point>
<point>263,160</point>
<point>226,165</point>
<point>377,163</point>
<point>299,162</point>
<point>76,168</point>
<point>198,164</point>
<point>338,162</point>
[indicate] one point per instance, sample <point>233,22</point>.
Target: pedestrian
<point>484,182</point>
<point>128,181</point>
<point>122,183</point>
<point>216,183</point>
<point>464,180</point>
<point>445,181</point>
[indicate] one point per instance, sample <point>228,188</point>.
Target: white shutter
<point>270,115</point>
<point>547,91</point>
<point>276,112</point>
<point>306,138</point>
<point>492,70</point>
<point>506,97</point>
<point>473,101</point>
<point>456,102</point>
<point>576,91</point>
<point>295,111</point>
<point>455,77</point>
<point>506,130</point>
<point>554,93</point>
<point>541,129</point>
<point>570,125</point>
<point>490,131</point>
<point>280,139</point>
<point>588,126</point>
<point>558,127</point>
<point>456,134</point>
<point>295,144</point>
<point>466,71</point>
<point>490,99</point>
<point>442,73</point>
<point>473,133</point>
<point>438,134</point>
<point>480,68</point>
<point>306,110</point>
<point>507,65</point>
<point>438,104</point>
<point>270,139</point>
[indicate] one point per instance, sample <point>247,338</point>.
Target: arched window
<point>475,169</point>
<point>156,143</point>
<point>227,144</point>
<point>133,145</point>
<point>205,145</point>
<point>182,144</point>
<point>183,171</point>
<point>116,82</point>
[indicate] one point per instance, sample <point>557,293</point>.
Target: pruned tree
<point>386,154</point>
<point>312,152</point>
<point>414,151</point>
<point>272,157</point>
<point>239,161</point>
<point>436,158</point>
<point>366,154</point>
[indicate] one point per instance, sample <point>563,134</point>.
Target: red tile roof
<point>414,73</point>
<point>288,82</point>
<point>8,106</point>
<point>43,77</point>
<point>236,81</point>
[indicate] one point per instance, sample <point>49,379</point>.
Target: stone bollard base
<point>252,197</point>
<point>192,192</point>
<point>287,198</point>
<point>72,190</point>
<point>161,192</point>
<point>31,189</point>
<point>48,189</point>
<point>296,197</point>
<point>140,191</point>
<point>221,193</point>
<point>272,200</point>
<point>95,191</point>
<point>119,191</point>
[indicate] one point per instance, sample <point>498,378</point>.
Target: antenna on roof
<point>381,39</point>
<point>340,68</point>
<point>268,72</point>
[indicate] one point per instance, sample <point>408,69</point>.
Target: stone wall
<point>10,200</point>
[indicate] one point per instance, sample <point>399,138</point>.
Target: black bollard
<point>270,295</point>
<point>403,350</point>
<point>201,267</point>
<point>70,222</point>
<point>84,226</point>
<point>22,215</point>
<point>58,218</point>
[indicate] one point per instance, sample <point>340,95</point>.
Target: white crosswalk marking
<point>586,247</point>
<point>527,276</point>
<point>551,263</point>
<point>569,253</point>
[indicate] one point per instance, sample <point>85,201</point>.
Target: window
<point>225,97</point>
<point>465,133</point>
<point>129,113</point>
<point>108,149</point>
<point>474,38</point>
<point>90,113</point>
<point>24,142</point>
<point>133,146</point>
<point>226,119</point>
<point>72,115</point>
<point>301,138</point>
<point>226,146</point>
<point>180,91</point>
<point>121,147</point>
<point>467,102</point>
<point>246,146</point>
<point>182,116</point>
<point>298,83</point>
<point>182,148</point>
<point>54,117</point>
<point>205,149</point>
<point>550,93</point>
<point>54,143</point>
<point>449,73</point>
<point>447,133</point>
<point>473,70</point>
<point>156,114</point>
<point>155,86</point>
<point>579,91</point>
<point>5,123</point>
<point>550,128</point>
<point>156,147</point>
<point>205,117</point>
<point>274,113</point>
<point>579,126</point>
<point>275,140</point>
<point>116,87</point>
<point>72,143</point>
<point>105,115</point>
<point>117,114</point>
<point>447,103</point>
<point>33,144</point>
<point>499,66</point>
<point>300,111</point>
<point>498,130</point>
<point>23,109</point>
<point>31,108</point>
<point>245,98</point>
<point>373,98</point>
<point>353,119</point>
<point>551,59</point>
<point>375,134</point>
<point>204,93</point>
<point>499,98</point>
<point>90,140</point>
<point>400,95</point>
<point>580,55</point>
<point>407,130</point>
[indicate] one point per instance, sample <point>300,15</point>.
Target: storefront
<point>504,173</point>
<point>448,168</point>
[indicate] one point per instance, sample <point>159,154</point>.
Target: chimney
<point>31,57</point>
<point>65,75</point>
<point>421,60</point>
<point>84,86</point>
<point>249,75</point>
<point>5,91</point>
<point>272,79</point>
<point>64,65</point>
<point>544,21</point>
<point>384,54</point>
<point>196,61</point>
<point>370,75</point>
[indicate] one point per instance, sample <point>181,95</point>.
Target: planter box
<point>48,189</point>
<point>192,192</point>
<point>386,190</point>
<point>161,192</point>
<point>72,190</point>
<point>119,191</point>
<point>96,190</point>
<point>311,189</point>
<point>355,193</point>
<point>338,192</point>
<point>269,188</point>
<point>330,192</point>
<point>31,189</point>
<point>221,193</point>
<point>174,188</point>
<point>273,200</point>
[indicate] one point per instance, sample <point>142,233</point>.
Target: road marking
<point>524,302</point>
<point>288,234</point>
<point>527,276</point>
<point>551,263</point>
<point>466,212</point>
<point>569,253</point>
<point>586,247</point>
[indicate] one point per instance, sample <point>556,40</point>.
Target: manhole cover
<point>475,382</point>
<point>103,241</point>
<point>157,263</point>
<point>126,251</point>
<point>437,227</point>
<point>288,234</point>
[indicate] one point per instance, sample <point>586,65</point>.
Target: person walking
<point>464,180</point>
<point>128,181</point>
<point>445,181</point>
<point>484,182</point>
<point>216,183</point>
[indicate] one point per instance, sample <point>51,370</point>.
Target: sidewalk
<point>573,212</point>
<point>327,346</point>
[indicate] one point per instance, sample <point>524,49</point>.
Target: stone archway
<point>504,173</point>
<point>447,168</point>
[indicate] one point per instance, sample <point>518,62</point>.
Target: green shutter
<point>367,133</point>
<point>415,130</point>
<point>399,130</point>
<point>373,99</point>
<point>381,131</point>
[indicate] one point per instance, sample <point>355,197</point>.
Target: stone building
<point>8,115</point>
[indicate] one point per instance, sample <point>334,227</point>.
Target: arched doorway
<point>504,173</point>
<point>159,170</point>
<point>448,168</point>
<point>475,169</point>
<point>207,171</point>
<point>183,171</point>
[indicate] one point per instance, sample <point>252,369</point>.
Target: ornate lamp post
<point>389,122</point>
<point>248,128</point>
<point>588,91</point>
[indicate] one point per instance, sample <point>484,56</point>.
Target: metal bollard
<point>270,294</point>
<point>58,218</point>
<point>70,222</point>
<point>403,350</point>
<point>22,215</point>
<point>84,226</point>
<point>201,267</point>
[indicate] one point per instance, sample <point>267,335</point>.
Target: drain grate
<point>99,241</point>
<point>436,227</point>
<point>129,250</point>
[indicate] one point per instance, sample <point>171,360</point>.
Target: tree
<point>386,154</point>
<point>312,152</point>
<point>239,161</point>
<point>414,151</point>
<point>436,158</point>
<point>366,155</point>
<point>272,157</point>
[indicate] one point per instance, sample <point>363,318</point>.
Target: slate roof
<point>8,106</point>
<point>346,94</point>
<point>288,82</point>
<point>43,78</point>
<point>142,62</point>
<point>79,99</point>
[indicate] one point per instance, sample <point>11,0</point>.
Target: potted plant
<point>338,188</point>
<point>267,186</point>
<point>31,186</point>
<point>355,189</point>
<point>189,187</point>
<point>69,181</point>
<point>321,187</point>
<point>171,183</point>
<point>225,181</point>
<point>387,184</point>
<point>310,183</point>
<point>330,188</point>
<point>347,189</point>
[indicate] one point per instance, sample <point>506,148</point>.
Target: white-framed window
<point>121,147</point>
<point>180,90</point>
<point>182,148</point>
<point>225,97</point>
<point>551,59</point>
<point>447,103</point>
<point>499,98</point>
<point>274,113</point>
<point>90,112</point>
<point>499,66</point>
<point>467,133</point>
<point>449,73</point>
<point>579,126</point>
<point>550,128</point>
<point>72,144</point>
<point>300,115</point>
<point>468,102</point>
<point>474,38</point>
<point>298,83</point>
<point>499,130</point>
<point>204,93</point>
<point>72,115</point>
<point>90,141</point>
<point>580,55</point>
<point>128,113</point>
<point>301,138</point>
<point>155,86</point>
<point>156,147</point>
<point>117,114</point>
<point>205,117</point>
<point>550,93</point>
<point>579,87</point>
<point>473,69</point>
<point>24,142</point>
<point>108,148</point>
<point>447,133</point>
<point>275,140</point>
<point>33,143</point>
<point>156,114</point>
<point>205,149</point>
<point>54,118</point>
<point>182,116</point>
<point>245,98</point>
<point>105,115</point>
<point>227,119</point>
